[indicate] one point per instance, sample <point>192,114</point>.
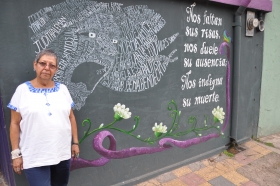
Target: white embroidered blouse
<point>45,128</point>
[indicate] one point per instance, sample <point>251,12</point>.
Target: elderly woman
<point>43,125</point>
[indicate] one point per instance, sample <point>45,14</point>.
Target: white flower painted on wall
<point>219,114</point>
<point>159,129</point>
<point>121,112</point>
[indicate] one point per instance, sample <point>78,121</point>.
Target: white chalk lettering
<point>187,102</point>
<point>187,84</point>
<point>189,47</point>
<point>192,17</point>
<point>210,82</point>
<point>187,62</point>
<point>209,49</point>
<point>207,98</point>
<point>212,20</point>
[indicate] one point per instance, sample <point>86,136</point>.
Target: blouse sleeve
<point>15,101</point>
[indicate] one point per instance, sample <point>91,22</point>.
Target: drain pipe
<point>236,68</point>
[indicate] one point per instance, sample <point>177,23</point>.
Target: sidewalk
<point>258,165</point>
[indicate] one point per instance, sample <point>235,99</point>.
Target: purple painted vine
<point>162,134</point>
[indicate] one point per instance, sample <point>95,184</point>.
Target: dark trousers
<point>53,175</point>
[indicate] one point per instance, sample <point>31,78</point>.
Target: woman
<point>43,125</point>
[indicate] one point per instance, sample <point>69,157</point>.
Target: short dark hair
<point>48,52</point>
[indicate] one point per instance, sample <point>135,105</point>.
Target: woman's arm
<point>14,137</point>
<point>75,140</point>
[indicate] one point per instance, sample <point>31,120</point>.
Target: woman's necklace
<point>48,104</point>
<point>47,101</point>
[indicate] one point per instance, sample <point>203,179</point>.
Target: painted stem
<point>95,130</point>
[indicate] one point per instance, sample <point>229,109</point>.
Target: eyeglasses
<point>43,64</point>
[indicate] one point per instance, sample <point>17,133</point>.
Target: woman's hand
<point>18,165</point>
<point>75,151</point>
<point>75,146</point>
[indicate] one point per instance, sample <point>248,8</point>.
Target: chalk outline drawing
<point>123,41</point>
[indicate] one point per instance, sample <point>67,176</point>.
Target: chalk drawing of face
<point>122,40</point>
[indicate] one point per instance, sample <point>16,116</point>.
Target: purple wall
<point>5,158</point>
<point>265,5</point>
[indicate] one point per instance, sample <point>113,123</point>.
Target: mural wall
<point>150,80</point>
<point>132,57</point>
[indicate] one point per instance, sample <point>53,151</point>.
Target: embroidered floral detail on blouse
<point>43,90</point>
<point>12,107</point>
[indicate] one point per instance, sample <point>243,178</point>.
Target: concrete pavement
<point>258,165</point>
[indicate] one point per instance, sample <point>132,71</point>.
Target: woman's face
<point>45,67</point>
